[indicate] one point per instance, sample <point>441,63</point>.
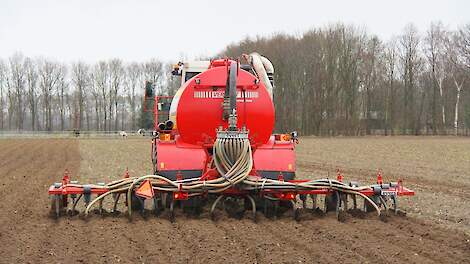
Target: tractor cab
<point>188,70</point>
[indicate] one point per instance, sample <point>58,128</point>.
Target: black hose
<point>233,87</point>
<point>169,125</point>
<point>161,126</point>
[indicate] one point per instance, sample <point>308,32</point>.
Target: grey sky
<point>136,30</point>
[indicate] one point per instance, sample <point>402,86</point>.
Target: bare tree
<point>31,83</point>
<point>435,53</point>
<point>62,91</point>
<point>456,62</point>
<point>153,73</point>
<point>410,63</point>
<point>328,81</point>
<point>369,77</point>
<point>463,44</point>
<point>116,72</point>
<point>390,65</point>
<point>133,82</point>
<point>95,92</point>
<point>17,87</point>
<point>50,74</point>
<point>2,93</point>
<point>80,79</point>
<point>101,82</point>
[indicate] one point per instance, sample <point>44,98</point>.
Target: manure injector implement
<point>217,149</point>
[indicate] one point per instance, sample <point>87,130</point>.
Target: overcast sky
<point>91,30</point>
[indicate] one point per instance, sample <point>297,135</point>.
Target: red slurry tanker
<point>217,149</point>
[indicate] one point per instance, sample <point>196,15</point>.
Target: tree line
<point>334,80</point>
<point>40,94</point>
<point>340,80</point>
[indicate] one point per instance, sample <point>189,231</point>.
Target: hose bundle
<point>232,157</point>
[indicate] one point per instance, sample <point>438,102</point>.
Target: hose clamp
<point>262,184</point>
<point>86,189</point>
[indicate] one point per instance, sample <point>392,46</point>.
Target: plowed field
<point>435,230</point>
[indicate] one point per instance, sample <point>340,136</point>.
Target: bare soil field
<point>433,232</point>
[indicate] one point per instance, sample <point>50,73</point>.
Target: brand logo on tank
<point>220,94</point>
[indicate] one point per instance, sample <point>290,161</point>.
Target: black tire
<point>136,203</point>
<point>193,206</point>
<point>167,199</point>
<point>330,202</point>
<point>234,207</point>
<point>268,208</point>
<point>369,208</point>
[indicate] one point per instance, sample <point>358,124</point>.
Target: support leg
<point>74,205</point>
<point>296,211</point>
<point>116,200</point>
<point>172,211</point>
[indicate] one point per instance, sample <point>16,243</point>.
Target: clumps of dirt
<point>28,235</point>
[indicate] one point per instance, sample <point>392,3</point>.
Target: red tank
<point>197,108</point>
<point>197,111</point>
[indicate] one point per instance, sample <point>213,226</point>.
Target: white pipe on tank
<point>267,65</point>
<point>262,67</point>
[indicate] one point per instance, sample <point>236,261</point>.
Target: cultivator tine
<point>157,205</point>
<point>214,205</point>
<point>100,207</point>
<point>87,195</point>
<point>382,202</point>
<point>398,185</point>
<point>57,205</point>
<point>253,207</point>
<point>368,207</point>
<point>341,207</point>
<point>73,211</point>
<point>271,206</point>
<point>142,206</point>
<point>265,208</point>
<point>116,197</point>
<point>172,211</point>
<point>354,198</point>
<point>314,203</point>
<point>74,198</point>
<point>55,208</point>
<point>275,209</point>
<point>296,211</point>
<point>303,198</point>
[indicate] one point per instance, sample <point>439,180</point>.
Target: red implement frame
<point>65,188</point>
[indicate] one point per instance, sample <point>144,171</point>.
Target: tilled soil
<point>437,168</point>
<point>29,235</point>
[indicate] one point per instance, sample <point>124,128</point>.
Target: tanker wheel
<point>368,208</point>
<point>167,199</point>
<point>284,206</point>
<point>158,205</point>
<point>137,204</point>
<point>235,207</point>
<point>269,208</point>
<point>192,206</point>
